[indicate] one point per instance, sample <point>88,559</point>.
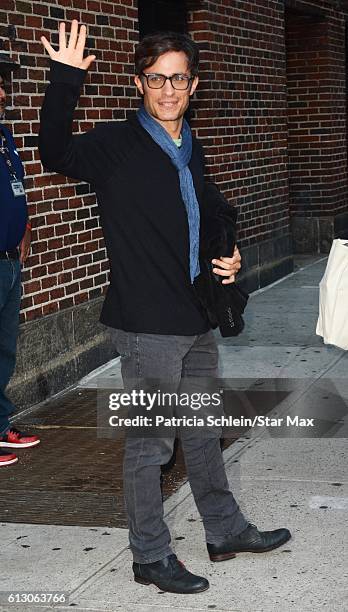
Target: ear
<point>139,84</point>
<point>194,85</point>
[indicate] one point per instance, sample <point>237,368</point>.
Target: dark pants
<point>172,359</point>
<point>10,297</point>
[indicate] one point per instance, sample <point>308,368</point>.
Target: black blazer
<point>224,304</point>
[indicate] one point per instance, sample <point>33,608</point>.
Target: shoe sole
<point>18,445</point>
<point>9,461</point>
<point>231,555</point>
<point>147,582</point>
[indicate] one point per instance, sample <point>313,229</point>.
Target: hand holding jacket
<point>229,266</point>
<point>224,304</point>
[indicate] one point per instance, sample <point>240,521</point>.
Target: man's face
<point>2,96</point>
<point>167,103</point>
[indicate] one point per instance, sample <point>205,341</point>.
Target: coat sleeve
<point>214,206</point>
<point>81,156</point>
<point>218,223</point>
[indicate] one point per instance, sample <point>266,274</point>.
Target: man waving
<point>148,175</point>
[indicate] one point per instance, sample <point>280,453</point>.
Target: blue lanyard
<point>4,150</point>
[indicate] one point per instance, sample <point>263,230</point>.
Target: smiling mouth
<point>168,104</point>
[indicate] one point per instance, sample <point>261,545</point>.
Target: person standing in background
<point>15,237</point>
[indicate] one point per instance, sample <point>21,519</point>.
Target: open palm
<point>71,53</point>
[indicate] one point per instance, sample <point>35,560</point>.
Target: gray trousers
<point>172,359</point>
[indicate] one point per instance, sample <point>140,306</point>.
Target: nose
<point>168,88</point>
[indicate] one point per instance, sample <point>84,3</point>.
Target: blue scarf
<point>180,157</point>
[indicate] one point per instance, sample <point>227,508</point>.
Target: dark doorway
<point>162,15</point>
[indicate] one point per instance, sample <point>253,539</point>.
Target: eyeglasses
<point>178,81</point>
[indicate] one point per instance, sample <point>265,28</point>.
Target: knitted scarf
<point>180,157</point>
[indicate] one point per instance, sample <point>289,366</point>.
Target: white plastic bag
<point>333,297</point>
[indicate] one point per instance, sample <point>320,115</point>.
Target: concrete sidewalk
<point>282,476</point>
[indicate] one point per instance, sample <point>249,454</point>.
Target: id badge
<point>17,188</point>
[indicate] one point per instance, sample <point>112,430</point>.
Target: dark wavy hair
<point>152,46</point>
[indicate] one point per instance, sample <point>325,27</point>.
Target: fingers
<point>223,262</point>
<point>228,281</point>
<point>236,257</point>
<point>81,40</point>
<point>73,34</point>
<point>228,272</point>
<point>229,266</point>
<point>71,54</point>
<point>87,62</point>
<point>62,37</point>
<point>227,262</point>
<point>47,46</point>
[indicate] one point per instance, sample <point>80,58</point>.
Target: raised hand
<point>71,54</point>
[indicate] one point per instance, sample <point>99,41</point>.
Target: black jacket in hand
<point>224,304</point>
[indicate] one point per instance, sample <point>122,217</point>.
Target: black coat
<point>224,304</point>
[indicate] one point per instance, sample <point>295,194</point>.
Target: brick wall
<point>68,263</point>
<point>316,79</point>
<point>240,111</point>
<point>271,110</point>
<point>240,114</point>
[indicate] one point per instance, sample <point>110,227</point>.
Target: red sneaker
<point>18,439</point>
<point>7,458</point>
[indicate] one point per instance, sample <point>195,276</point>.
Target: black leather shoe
<point>250,540</point>
<point>169,574</point>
